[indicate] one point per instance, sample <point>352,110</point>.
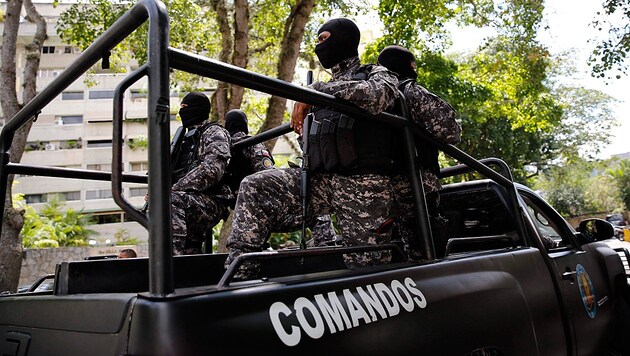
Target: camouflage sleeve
<point>214,155</point>
<point>433,113</point>
<point>260,158</point>
<point>375,94</point>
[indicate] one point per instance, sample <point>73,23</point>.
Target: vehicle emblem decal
<point>586,291</point>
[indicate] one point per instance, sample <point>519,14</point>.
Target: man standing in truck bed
<point>438,118</point>
<point>198,197</point>
<point>356,188</point>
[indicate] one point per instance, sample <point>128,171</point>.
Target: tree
<point>579,187</point>
<point>53,227</point>
<point>621,174</point>
<point>610,53</point>
<point>12,220</point>
<point>504,92</point>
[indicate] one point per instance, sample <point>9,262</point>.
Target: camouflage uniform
<point>361,202</point>
<point>438,118</point>
<point>257,154</point>
<point>198,203</point>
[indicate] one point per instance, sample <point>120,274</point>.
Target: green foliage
<point>621,174</point>
<point>139,142</point>
<point>280,238</point>
<point>610,54</point>
<point>192,30</point>
<point>122,237</point>
<point>53,227</point>
<point>579,187</point>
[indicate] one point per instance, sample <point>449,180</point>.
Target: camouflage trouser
<point>194,215</point>
<point>362,203</point>
<point>404,227</point>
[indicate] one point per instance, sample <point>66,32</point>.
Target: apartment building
<point>75,131</point>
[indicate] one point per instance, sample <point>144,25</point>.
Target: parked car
<point>619,223</point>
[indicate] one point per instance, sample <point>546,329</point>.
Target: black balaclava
<point>343,42</point>
<point>197,109</point>
<point>236,121</point>
<point>398,59</point>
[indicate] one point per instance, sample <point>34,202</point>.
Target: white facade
<point>75,131</point>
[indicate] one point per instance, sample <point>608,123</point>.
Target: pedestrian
<point>355,187</point>
<point>198,196</point>
<point>127,253</point>
<point>438,118</point>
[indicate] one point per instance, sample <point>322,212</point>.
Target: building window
<point>36,146</point>
<point>139,166</point>
<point>98,194</point>
<point>72,95</point>
<point>70,196</point>
<point>108,218</point>
<point>49,73</point>
<point>99,143</point>
<point>48,49</point>
<point>70,145</point>
<point>35,198</point>
<point>67,49</point>
<point>101,94</point>
<point>107,167</point>
<point>138,192</point>
<point>71,120</point>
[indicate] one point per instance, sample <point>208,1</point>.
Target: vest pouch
<point>328,143</point>
<point>345,142</point>
<point>316,161</point>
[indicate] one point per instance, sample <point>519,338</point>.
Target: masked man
<point>438,118</point>
<point>350,179</point>
<point>198,196</point>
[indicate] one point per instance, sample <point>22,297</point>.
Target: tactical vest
<point>240,166</point>
<point>341,144</point>
<point>427,153</point>
<point>186,156</point>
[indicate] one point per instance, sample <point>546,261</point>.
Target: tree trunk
<point>291,40</point>
<point>12,220</point>
<point>220,96</point>
<point>240,55</point>
<point>225,233</point>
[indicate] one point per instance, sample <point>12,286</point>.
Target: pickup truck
<point>506,275</point>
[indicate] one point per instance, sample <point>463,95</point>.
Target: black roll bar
<point>397,256</point>
<point>207,67</point>
<point>117,143</point>
<point>414,172</point>
<point>160,266</point>
<point>263,136</point>
<point>157,69</point>
<point>26,169</point>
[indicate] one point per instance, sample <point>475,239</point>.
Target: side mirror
<point>596,229</point>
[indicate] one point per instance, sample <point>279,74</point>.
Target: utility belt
<point>341,144</point>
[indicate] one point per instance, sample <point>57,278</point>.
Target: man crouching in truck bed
<point>198,195</point>
<point>351,182</point>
